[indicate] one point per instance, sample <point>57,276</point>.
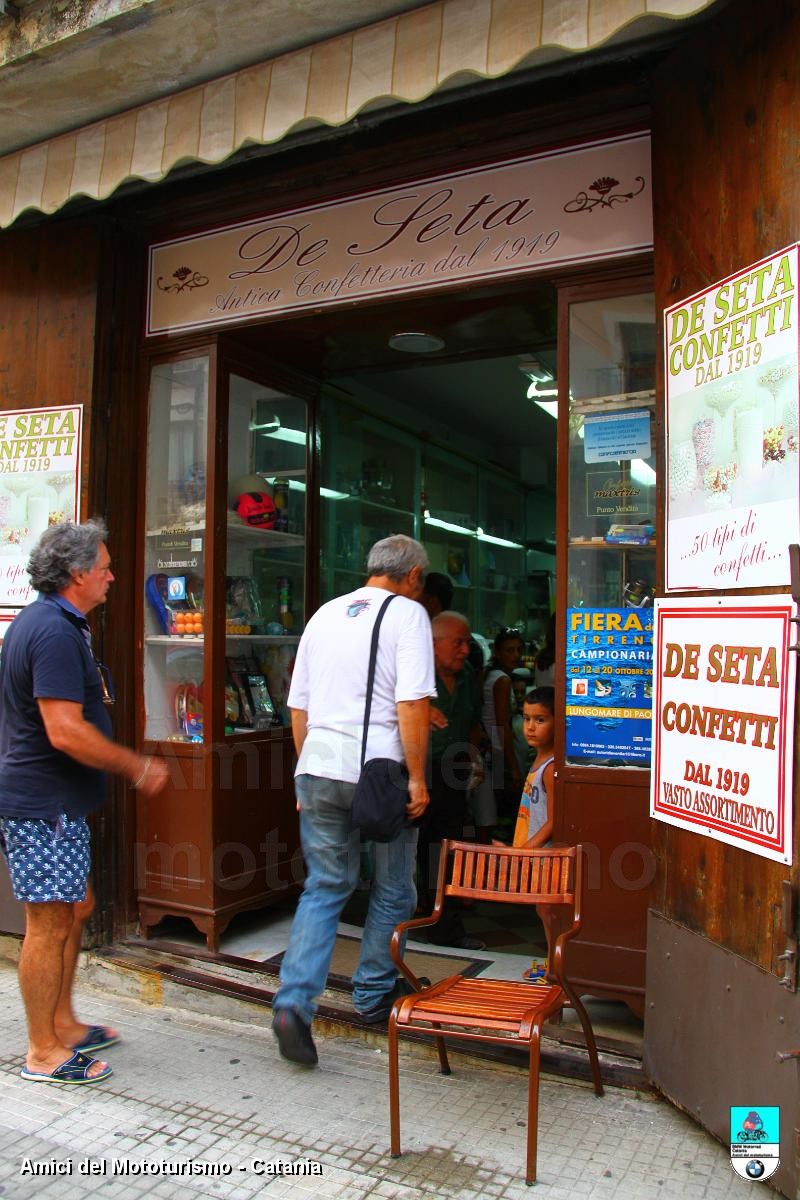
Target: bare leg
<point>41,971</point>
<point>70,1030</point>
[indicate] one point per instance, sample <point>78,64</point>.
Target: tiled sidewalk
<point>189,1089</point>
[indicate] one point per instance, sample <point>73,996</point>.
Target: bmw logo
<point>755,1168</point>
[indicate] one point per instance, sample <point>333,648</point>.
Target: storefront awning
<point>403,59</point>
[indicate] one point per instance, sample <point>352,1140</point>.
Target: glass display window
<point>611,531</point>
<point>175,543</point>
<point>265,557</point>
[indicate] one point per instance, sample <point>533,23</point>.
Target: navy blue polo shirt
<point>46,656</point>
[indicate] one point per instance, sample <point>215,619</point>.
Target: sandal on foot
<point>74,1070</point>
<point>98,1037</point>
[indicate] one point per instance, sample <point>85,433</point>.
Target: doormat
<point>421,962</point>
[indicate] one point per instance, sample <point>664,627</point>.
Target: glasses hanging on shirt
<point>106,682</point>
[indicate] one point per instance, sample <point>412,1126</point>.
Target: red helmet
<point>256,508</point>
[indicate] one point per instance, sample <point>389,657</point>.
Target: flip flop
<point>98,1037</point>
<point>74,1070</point>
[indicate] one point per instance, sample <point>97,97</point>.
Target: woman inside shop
<point>502,766</point>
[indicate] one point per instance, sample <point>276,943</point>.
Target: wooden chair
<point>494,1010</point>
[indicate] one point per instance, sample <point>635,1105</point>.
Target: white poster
<point>40,478</point>
<point>723,720</point>
<point>732,430</point>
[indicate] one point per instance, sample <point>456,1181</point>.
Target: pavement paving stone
<point>189,1088</point>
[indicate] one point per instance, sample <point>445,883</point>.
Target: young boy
<point>534,825</point>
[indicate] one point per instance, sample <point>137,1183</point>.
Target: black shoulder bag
<point>381,795</point>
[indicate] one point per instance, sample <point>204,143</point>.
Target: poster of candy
<point>609,660</point>
<point>732,430</point>
<point>40,473</point>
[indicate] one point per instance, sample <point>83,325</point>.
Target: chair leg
<point>533,1105</point>
<point>591,1045</point>
<point>394,1089</point>
<point>444,1063</point>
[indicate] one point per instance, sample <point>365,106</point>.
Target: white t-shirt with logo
<point>330,679</point>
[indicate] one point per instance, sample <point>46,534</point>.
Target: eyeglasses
<point>106,682</point>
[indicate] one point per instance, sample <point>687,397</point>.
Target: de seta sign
<point>723,720</point>
<point>731,356</point>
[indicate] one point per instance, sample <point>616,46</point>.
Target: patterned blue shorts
<point>47,860</point>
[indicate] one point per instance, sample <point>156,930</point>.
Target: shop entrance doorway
<point>437,420</point>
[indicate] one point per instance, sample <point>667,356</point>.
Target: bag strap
<point>373,658</point>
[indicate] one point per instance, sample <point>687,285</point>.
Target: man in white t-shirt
<point>326,700</point>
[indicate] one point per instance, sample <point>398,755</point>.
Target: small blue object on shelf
<point>629,535</point>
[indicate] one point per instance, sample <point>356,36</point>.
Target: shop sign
<point>732,430</point>
<point>723,720</point>
<point>609,684</point>
<point>589,202</point>
<point>609,437</point>
<point>40,474</point>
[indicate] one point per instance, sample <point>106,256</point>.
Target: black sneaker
<point>294,1037</point>
<point>380,1011</point>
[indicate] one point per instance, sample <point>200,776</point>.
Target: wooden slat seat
<point>499,1011</point>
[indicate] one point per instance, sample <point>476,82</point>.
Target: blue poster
<point>616,436</point>
<point>609,684</point>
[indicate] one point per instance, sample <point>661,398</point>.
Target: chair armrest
<point>558,953</point>
<point>394,945</point>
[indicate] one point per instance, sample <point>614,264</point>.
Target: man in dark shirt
<point>455,762</point>
<point>55,744</point>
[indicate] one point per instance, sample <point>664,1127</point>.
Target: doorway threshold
<point>241,981</point>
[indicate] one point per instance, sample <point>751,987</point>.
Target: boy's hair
<point>546,696</point>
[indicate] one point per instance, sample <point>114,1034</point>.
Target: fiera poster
<point>723,720</point>
<point>40,472</point>
<point>732,430</point>
<point>609,684</point>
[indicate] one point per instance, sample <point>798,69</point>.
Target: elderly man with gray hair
<point>55,745</point>
<point>327,702</point>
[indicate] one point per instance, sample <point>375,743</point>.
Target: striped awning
<point>403,59</point>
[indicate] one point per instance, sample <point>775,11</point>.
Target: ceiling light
<point>448,525</point>
<point>476,533</point>
<point>414,342</point>
<point>297,485</point>
<point>537,390</point>
<point>536,371</point>
<point>282,433</point>
<point>496,541</point>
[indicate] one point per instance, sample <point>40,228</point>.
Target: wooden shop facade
<point>414,317</point>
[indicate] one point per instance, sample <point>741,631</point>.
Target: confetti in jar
<point>703,438</point>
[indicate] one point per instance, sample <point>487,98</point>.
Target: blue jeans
<point>332,855</point>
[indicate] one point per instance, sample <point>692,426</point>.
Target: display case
<point>501,555</point>
<point>448,512</point>
<point>222,609</point>
<point>472,527</point>
<point>378,480</point>
<point>369,490</point>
